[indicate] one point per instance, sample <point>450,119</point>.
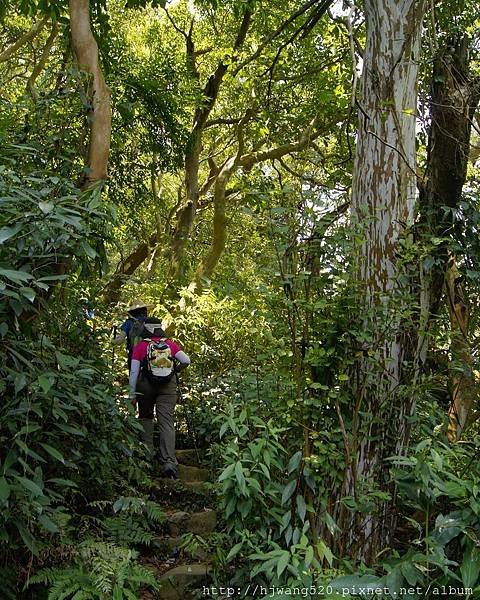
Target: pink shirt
<point>140,350</point>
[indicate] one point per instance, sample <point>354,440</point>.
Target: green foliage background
<point>274,335</point>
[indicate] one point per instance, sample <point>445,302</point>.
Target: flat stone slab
<point>200,523</point>
<point>178,517</point>
<point>190,495</point>
<point>189,457</point>
<point>197,486</point>
<point>188,473</point>
<point>174,581</point>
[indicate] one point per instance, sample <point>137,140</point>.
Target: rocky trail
<point>179,556</point>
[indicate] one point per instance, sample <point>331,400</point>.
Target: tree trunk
<point>383,196</point>
<point>208,264</point>
<point>187,212</point>
<point>455,94</point>
<point>86,52</point>
<point>127,267</point>
<point>462,383</point>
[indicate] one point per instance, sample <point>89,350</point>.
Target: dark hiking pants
<point>162,399</point>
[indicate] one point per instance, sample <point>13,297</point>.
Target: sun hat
<point>136,304</point>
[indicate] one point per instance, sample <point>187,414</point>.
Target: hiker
<point>155,362</point>
<point>131,330</point>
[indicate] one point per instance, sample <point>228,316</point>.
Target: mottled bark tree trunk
<point>383,197</point>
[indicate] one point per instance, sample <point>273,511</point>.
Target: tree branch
<point>23,39</point>
<point>192,158</point>
<point>248,160</point>
<point>221,121</point>
<point>40,66</point>
<point>298,13</point>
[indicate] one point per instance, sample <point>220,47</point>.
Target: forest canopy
<point>293,189</point>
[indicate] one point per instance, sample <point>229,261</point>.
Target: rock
<point>180,493</point>
<point>189,457</point>
<point>174,581</point>
<point>200,523</point>
<point>178,517</point>
<point>190,474</point>
<point>197,486</point>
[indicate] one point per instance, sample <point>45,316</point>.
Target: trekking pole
<point>113,331</point>
<point>190,428</point>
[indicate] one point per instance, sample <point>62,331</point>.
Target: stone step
<point>181,493</point>
<point>197,486</point>
<point>174,581</point>
<point>188,473</point>
<point>200,523</point>
<point>189,457</point>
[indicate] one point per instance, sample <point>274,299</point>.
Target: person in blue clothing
<point>131,328</point>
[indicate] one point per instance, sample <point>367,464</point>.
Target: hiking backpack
<point>159,365</point>
<point>135,333</point>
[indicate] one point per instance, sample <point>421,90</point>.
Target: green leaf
<point>53,278</point>
<point>331,524</point>
<point>7,232</point>
<point>240,477</point>
<point>53,452</point>
<point>46,207</point>
<point>29,428</point>
<point>447,528</point>
<point>324,552</point>
<point>45,383</point>
<point>72,430</point>
<point>470,568</point>
<point>283,562</point>
<point>48,524</point>
<point>295,461</point>
<point>234,551</point>
<point>301,507</point>
<point>410,572</point>
<point>16,276</point>
<point>288,491</point>
<point>28,293</point>
<point>89,251</point>
<point>227,472</point>
<point>223,429</point>
<point>28,451</point>
<point>62,482</point>
<point>394,581</point>
<point>9,461</point>
<point>308,556</point>
<point>119,505</point>
<point>27,538</point>
<point>20,382</point>
<point>29,485</point>
<point>265,470</point>
<point>4,490</point>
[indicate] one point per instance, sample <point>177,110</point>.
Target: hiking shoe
<point>170,472</point>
